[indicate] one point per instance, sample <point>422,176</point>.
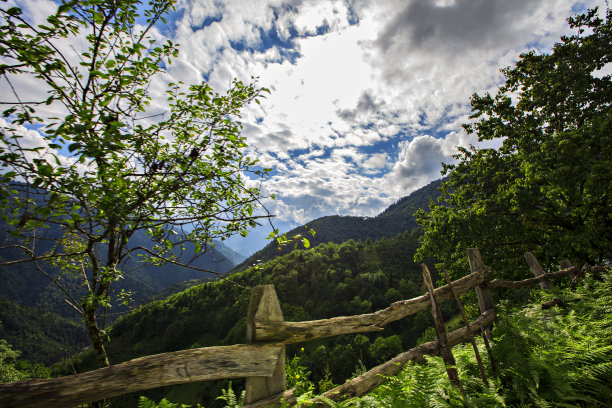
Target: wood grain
<point>143,373</point>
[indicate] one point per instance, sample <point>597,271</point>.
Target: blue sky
<point>367,97</point>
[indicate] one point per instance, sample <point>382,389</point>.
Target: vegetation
<point>547,188</point>
<point>41,336</point>
<point>555,357</point>
<point>130,167</point>
<point>327,281</point>
<point>12,369</point>
<point>543,357</point>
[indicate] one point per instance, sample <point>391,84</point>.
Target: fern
<point>560,357</point>
<point>229,396</point>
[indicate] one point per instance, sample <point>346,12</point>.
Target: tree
<point>547,188</point>
<point>108,163</point>
<point>8,357</point>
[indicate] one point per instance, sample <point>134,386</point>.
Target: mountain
<point>396,219</point>
<point>24,286</point>
<point>25,291</point>
<point>41,336</point>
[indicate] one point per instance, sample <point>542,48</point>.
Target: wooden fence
<point>262,360</point>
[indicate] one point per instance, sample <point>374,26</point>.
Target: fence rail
<point>262,361</point>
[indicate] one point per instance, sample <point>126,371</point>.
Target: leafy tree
<point>12,369</point>
<point>8,371</point>
<point>180,174</point>
<point>547,188</point>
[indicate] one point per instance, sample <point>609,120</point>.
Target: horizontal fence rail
<point>297,332</point>
<point>209,363</point>
<point>262,360</point>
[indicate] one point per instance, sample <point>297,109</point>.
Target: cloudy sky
<point>367,97</point>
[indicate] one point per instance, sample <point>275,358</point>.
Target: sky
<point>367,97</point>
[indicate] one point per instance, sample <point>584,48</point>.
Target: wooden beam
<point>143,373</point>
<point>445,350</point>
<point>295,332</point>
<point>483,375</point>
<point>264,307</point>
<point>373,378</point>
<point>537,270</point>
<point>500,283</point>
<point>485,300</point>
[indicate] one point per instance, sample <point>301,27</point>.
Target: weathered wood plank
<point>295,332</point>
<point>373,378</point>
<point>264,307</point>
<point>497,283</point>
<point>537,270</point>
<point>483,375</point>
<point>445,350</point>
<point>143,373</point>
<point>483,292</point>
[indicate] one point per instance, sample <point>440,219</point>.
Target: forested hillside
<point>34,316</point>
<point>41,336</point>
<point>326,281</point>
<point>25,287</point>
<point>396,219</point>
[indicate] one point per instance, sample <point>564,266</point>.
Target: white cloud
<point>419,161</point>
<point>376,162</point>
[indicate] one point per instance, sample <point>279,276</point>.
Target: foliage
<point>547,188</point>
<point>229,396</point>
<point>131,167</point>
<point>562,355</point>
<point>544,358</point>
<point>12,369</point>
<point>8,372</point>
<point>41,336</point>
<point>297,376</point>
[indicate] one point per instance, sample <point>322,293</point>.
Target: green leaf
<point>14,11</point>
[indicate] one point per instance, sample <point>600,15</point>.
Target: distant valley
<point>25,293</point>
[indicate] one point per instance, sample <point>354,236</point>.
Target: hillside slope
<point>394,220</point>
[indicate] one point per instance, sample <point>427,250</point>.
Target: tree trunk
<point>95,337</point>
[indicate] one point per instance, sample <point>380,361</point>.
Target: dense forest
<point>48,336</point>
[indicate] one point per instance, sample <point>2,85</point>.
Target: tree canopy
<point>109,160</point>
<point>547,188</point>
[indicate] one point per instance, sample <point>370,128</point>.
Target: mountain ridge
<point>394,220</point>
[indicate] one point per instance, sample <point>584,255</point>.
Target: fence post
<point>535,267</point>
<point>264,306</point>
<point>483,375</point>
<point>485,300</point>
<point>445,350</point>
<point>574,277</point>
<point>483,292</point>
